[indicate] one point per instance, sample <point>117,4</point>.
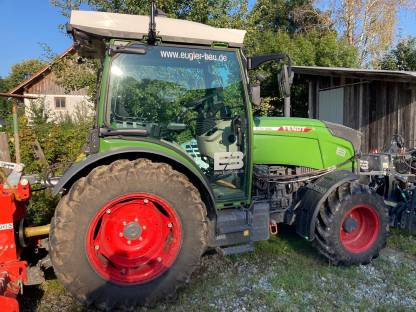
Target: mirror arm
<point>255,61</point>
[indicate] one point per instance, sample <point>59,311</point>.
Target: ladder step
<point>232,250</point>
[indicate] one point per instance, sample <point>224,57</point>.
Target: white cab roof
<point>124,26</point>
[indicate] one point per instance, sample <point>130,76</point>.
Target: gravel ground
<point>284,274</point>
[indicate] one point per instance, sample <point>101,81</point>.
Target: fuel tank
<point>303,142</point>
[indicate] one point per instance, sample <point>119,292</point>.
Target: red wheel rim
<point>134,239</point>
<point>364,232</point>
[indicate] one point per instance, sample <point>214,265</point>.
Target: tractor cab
<point>192,98</point>
<point>186,89</point>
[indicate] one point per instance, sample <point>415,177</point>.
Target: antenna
<point>151,37</point>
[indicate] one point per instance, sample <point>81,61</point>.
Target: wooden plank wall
<point>386,108</point>
<point>47,85</point>
<point>393,112</point>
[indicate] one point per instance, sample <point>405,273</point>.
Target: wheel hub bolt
<point>159,259</point>
<point>121,234</point>
<point>170,225</point>
<point>97,247</point>
<point>145,200</point>
<point>108,211</point>
<point>129,242</point>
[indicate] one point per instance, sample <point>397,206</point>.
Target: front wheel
<point>129,233</point>
<point>352,225</point>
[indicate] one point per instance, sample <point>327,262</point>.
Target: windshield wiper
<point>130,49</point>
<point>127,132</point>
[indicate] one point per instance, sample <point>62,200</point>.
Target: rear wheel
<point>129,233</point>
<point>352,225</point>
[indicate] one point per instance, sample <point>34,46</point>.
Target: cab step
<point>232,250</point>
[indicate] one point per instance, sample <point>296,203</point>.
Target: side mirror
<point>255,94</point>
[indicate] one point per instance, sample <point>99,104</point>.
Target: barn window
<point>60,102</point>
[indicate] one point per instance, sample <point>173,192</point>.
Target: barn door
<point>331,105</point>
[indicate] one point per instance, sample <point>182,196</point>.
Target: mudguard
<point>315,194</point>
<point>82,168</point>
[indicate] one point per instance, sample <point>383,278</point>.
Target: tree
<point>299,29</point>
<point>369,25</point>
<point>228,13</point>
<point>23,70</point>
<point>73,73</point>
<point>5,105</point>
<point>302,31</point>
<point>402,57</point>
<point>292,16</point>
<point>19,72</point>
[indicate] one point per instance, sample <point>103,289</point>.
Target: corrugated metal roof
<point>359,73</point>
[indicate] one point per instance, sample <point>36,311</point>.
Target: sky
<point>26,24</point>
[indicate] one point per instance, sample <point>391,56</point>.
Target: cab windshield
<point>191,97</point>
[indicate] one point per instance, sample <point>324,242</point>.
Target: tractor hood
<point>303,142</point>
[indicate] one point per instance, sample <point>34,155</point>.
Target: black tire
<point>330,219</point>
<point>79,206</point>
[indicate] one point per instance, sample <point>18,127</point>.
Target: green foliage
<point>299,29</point>
<point>291,16</point>
<point>75,75</point>
<point>215,12</point>
<point>5,105</point>
<point>402,57</point>
<point>61,141</point>
<point>403,241</point>
<point>309,49</point>
<point>23,70</point>
<point>18,73</point>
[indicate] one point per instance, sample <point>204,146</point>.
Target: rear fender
<point>83,168</point>
<point>316,193</point>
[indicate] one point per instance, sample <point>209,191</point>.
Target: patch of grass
<point>286,274</point>
<point>53,287</point>
<point>402,241</point>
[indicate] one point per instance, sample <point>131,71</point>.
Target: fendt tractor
<point>177,165</point>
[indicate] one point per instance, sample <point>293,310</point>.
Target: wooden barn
<point>379,103</point>
<point>56,100</point>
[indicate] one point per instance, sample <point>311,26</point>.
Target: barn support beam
<point>287,106</point>
<point>311,99</point>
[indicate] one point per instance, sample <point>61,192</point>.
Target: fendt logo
<point>285,129</point>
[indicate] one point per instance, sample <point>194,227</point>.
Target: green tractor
<point>177,165</point>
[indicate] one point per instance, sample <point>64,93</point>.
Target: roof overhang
<point>136,27</point>
<point>356,73</point>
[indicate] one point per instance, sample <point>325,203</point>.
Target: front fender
<point>82,168</point>
<point>316,193</point>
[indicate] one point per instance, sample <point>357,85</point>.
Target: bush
<point>61,138</point>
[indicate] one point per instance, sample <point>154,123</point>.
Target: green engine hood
<point>303,142</point>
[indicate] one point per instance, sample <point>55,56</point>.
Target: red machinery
<point>14,194</point>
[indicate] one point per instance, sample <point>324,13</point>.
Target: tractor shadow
<point>288,242</point>
<point>33,295</point>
